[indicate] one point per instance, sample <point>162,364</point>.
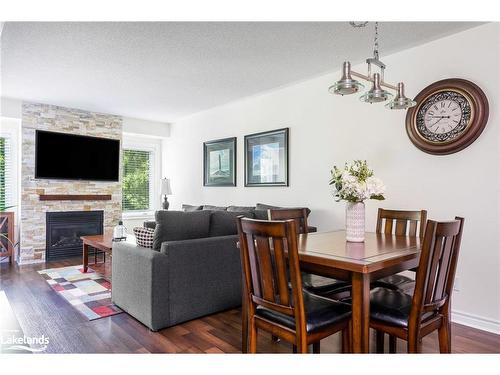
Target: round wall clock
<point>449,116</point>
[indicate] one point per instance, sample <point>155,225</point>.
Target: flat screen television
<point>76,157</point>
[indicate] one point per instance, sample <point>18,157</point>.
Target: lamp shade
<point>165,187</point>
<point>346,85</point>
<point>377,93</point>
<point>401,101</point>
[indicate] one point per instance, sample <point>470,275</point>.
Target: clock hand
<point>436,122</point>
<point>440,116</point>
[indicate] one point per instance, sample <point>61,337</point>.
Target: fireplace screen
<point>64,230</point>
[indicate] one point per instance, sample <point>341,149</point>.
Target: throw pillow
<point>209,207</point>
<point>189,208</point>
<point>240,209</point>
<point>265,207</point>
<point>144,236</point>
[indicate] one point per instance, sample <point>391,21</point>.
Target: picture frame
<point>266,158</point>
<point>219,162</point>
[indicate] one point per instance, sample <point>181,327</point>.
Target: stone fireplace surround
<point>37,116</point>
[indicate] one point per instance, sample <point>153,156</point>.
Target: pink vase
<point>355,222</point>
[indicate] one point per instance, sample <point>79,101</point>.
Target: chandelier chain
<point>375,41</point>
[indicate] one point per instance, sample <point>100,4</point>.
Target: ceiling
<point>162,71</point>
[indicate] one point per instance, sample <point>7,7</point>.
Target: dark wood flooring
<point>39,311</point>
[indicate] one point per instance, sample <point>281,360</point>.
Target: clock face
<point>449,116</point>
<point>443,116</point>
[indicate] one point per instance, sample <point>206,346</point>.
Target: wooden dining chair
<point>411,317</point>
<point>400,223</point>
<point>320,285</point>
<point>275,300</point>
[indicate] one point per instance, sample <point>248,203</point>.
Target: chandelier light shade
<point>346,85</point>
<point>378,93</point>
<point>401,101</point>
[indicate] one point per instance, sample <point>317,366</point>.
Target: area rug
<point>89,293</point>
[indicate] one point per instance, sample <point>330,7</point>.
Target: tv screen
<point>76,157</point>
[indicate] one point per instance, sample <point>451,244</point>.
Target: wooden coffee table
<point>103,242</point>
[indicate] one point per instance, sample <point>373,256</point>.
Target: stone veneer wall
<point>66,120</point>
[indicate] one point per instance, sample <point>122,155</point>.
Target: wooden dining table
<point>329,254</point>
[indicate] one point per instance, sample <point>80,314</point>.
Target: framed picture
<point>266,158</point>
<point>219,162</point>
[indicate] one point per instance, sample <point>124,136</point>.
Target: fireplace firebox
<point>64,230</point>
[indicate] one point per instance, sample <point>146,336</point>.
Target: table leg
<point>361,312</point>
<point>244,318</point>
<point>85,257</point>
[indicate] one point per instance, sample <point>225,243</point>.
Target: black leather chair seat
<point>320,313</point>
<point>392,307</point>
<point>323,286</point>
<point>394,282</point>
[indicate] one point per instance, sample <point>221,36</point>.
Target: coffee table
<point>103,242</point>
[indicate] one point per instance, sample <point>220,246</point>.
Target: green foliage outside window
<point>136,180</point>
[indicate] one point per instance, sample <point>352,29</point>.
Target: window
<point>7,184</point>
<point>141,175</point>
<point>136,180</point>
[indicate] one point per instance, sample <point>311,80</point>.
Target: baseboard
<point>475,321</point>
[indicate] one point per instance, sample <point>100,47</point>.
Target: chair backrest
<point>437,266</point>
<point>401,223</point>
<point>268,249</point>
<point>299,215</point>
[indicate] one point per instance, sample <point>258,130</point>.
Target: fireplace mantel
<point>75,197</point>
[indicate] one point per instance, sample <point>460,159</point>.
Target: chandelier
<point>347,85</point>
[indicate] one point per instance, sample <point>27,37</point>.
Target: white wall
<point>10,107</point>
<point>327,130</point>
<point>146,128</point>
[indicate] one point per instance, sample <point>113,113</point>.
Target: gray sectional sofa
<point>193,269</point>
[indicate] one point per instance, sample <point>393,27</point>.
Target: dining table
<point>360,263</point>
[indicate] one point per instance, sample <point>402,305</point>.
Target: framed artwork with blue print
<point>266,158</point>
<point>219,162</point>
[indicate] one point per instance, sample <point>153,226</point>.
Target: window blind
<point>6,177</point>
<point>136,184</point>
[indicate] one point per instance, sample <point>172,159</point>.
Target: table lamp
<point>166,190</point>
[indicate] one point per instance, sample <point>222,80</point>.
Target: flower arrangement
<point>355,183</point>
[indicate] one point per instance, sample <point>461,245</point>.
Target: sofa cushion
<point>189,208</point>
<point>208,207</point>
<point>179,225</point>
<point>223,223</point>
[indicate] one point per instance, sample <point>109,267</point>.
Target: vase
<point>355,222</point>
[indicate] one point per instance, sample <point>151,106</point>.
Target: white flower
<point>374,186</point>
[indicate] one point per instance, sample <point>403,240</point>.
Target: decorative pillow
<point>240,209</point>
<point>265,207</point>
<point>209,207</point>
<point>144,236</point>
<point>189,208</point>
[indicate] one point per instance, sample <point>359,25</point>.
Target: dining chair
<point>400,223</point>
<point>275,300</point>
<point>411,317</point>
<point>320,285</point>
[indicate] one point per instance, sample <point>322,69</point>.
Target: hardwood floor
<point>39,311</point>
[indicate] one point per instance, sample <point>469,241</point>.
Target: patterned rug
<point>89,293</point>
